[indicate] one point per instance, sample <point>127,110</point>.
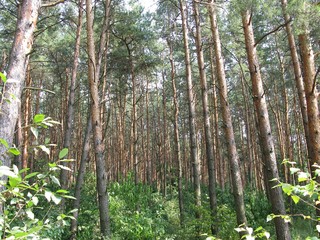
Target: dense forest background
<point>198,120</point>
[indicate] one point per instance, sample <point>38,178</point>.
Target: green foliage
<point>28,202</point>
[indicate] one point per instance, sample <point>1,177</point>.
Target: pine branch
<point>273,31</point>
<point>52,4</point>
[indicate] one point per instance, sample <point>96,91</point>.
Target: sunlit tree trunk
<point>266,141</point>
<point>27,18</point>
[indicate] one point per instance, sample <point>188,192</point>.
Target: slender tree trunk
<point>26,119</point>
<point>266,141</point>
<point>177,150</point>
<point>80,177</point>
<point>70,111</point>
<point>148,160</point>
<point>206,116</point>
<point>165,140</point>
<point>97,128</point>
<point>219,169</point>
<point>191,101</point>
<point>227,121</point>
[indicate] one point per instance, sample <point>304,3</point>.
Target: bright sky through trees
<point>149,5</point>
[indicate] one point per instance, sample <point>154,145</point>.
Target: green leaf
<point>294,170</point>
<point>52,165</point>
<point>30,175</point>
<point>64,168</point>
<point>38,118</point>
<point>69,197</point>
<point>14,181</point>
<point>15,151</point>
<point>45,149</point>
<point>29,213</point>
<point>4,142</point>
<point>3,77</point>
<point>55,180</point>
<point>286,188</point>
<point>35,132</point>
<point>48,195</point>
<point>62,191</point>
<point>67,160</point>
<point>4,170</point>
<point>317,172</point>
<point>63,153</point>
<point>270,217</point>
<point>56,199</point>
<point>302,176</point>
<point>295,198</point>
<point>35,200</point>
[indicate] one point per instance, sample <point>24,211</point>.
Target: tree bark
<point>266,141</point>
<point>97,128</point>
<point>21,48</point>
<point>309,78</point>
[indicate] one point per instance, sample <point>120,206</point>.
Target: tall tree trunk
<point>191,102</point>
<point>219,165</point>
<point>148,160</point>
<point>309,78</point>
<point>297,75</point>
<point>177,151</point>
<point>206,115</point>
<point>97,128</point>
<point>70,111</point>
<point>165,140</point>
<point>266,141</point>
<point>227,120</point>
<point>21,48</point>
